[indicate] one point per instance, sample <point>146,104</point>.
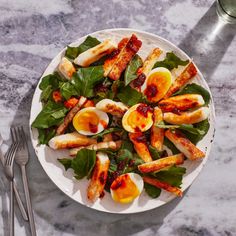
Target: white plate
<point>77,189</point>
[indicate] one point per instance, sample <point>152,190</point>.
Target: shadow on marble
<point>208,41</point>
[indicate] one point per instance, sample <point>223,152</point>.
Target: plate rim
<point>213,120</point>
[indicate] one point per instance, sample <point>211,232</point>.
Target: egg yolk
<point>87,121</point>
<point>157,85</point>
<point>124,189</point>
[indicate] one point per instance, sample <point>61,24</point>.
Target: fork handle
<point>28,201</point>
<point>19,202</point>
<point>11,209</point>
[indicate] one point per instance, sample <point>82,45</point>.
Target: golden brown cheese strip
<point>140,146</point>
<point>181,103</point>
<point>161,163</point>
<point>95,53</point>
<point>70,140</point>
<point>69,117</point>
<point>159,184</point>
<point>99,177</point>
<point>113,56</point>
<point>189,72</point>
<point>66,68</point>
<point>157,134</point>
<point>188,117</point>
<point>184,145</point>
<point>98,146</point>
<point>131,48</point>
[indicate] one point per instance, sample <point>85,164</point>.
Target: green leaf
<point>52,114</point>
<point>154,153</point>
<point>73,52</point>
<point>52,79</point>
<point>130,72</point>
<point>171,61</point>
<point>152,191</point>
<point>66,162</point>
<point>106,131</point>
<point>86,78</point>
<point>171,146</point>
<point>45,135</point>
<point>68,90</point>
<point>46,93</point>
<point>130,96</point>
<point>172,176</point>
<point>84,163</point>
<point>195,89</point>
<point>126,144</point>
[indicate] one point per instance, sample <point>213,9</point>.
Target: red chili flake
<point>137,130</point>
<point>93,128</point>
<point>134,44</point>
<point>139,81</point>
<point>113,54</point>
<point>131,163</point>
<point>141,138</point>
<point>151,91</point>
<point>143,109</point>
<point>102,177</point>
<point>102,194</point>
<point>117,184</point>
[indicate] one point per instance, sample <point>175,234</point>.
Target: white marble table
<point>32,32</point>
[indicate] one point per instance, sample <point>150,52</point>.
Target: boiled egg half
<point>138,118</point>
<point>125,188</point>
<point>157,84</point>
<point>90,121</point>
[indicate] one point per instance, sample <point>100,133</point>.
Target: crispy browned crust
<point>113,56</point>
<point>184,145</point>
<point>182,79</point>
<point>69,117</point>
<point>140,145</point>
<point>98,180</point>
<point>180,103</point>
<point>131,48</point>
<point>159,184</point>
<point>161,163</point>
<point>157,134</point>
<point>115,110</point>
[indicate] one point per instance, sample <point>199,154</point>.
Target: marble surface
<point>32,32</point>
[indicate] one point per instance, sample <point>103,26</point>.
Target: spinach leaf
<point>171,146</point>
<point>73,52</point>
<point>171,61</point>
<point>154,153</point>
<point>130,72</point>
<point>52,79</point>
<point>52,114</point>
<point>85,80</point>
<point>126,144</point>
<point>172,176</point>
<point>66,162</point>
<point>106,131</point>
<point>152,191</point>
<point>68,90</point>
<point>195,89</point>
<point>46,93</point>
<point>45,135</point>
<point>130,96</point>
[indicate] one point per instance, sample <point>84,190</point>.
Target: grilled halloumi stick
<point>112,107</point>
<point>66,68</point>
<point>159,184</point>
<point>69,117</point>
<point>70,140</point>
<point>140,146</point>
<point>98,146</point>
<point>184,145</point>
<point>99,177</point>
<point>181,102</point>
<point>187,117</point>
<point>131,48</point>
<point>189,72</point>
<point>95,53</point>
<point>113,56</point>
<point>159,164</point>
<point>157,134</point>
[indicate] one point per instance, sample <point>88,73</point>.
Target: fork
<point>8,168</point>
<point>22,158</point>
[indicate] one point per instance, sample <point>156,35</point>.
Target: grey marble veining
<point>32,32</point>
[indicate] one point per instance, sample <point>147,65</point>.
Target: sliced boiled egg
<point>138,118</point>
<point>157,84</point>
<point>90,121</point>
<point>125,188</point>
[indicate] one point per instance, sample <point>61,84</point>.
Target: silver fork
<point>22,158</point>
<point>8,168</point>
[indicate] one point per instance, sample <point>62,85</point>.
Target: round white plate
<point>77,189</point>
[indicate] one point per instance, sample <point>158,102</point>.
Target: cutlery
<point>16,193</point>
<point>22,158</point>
